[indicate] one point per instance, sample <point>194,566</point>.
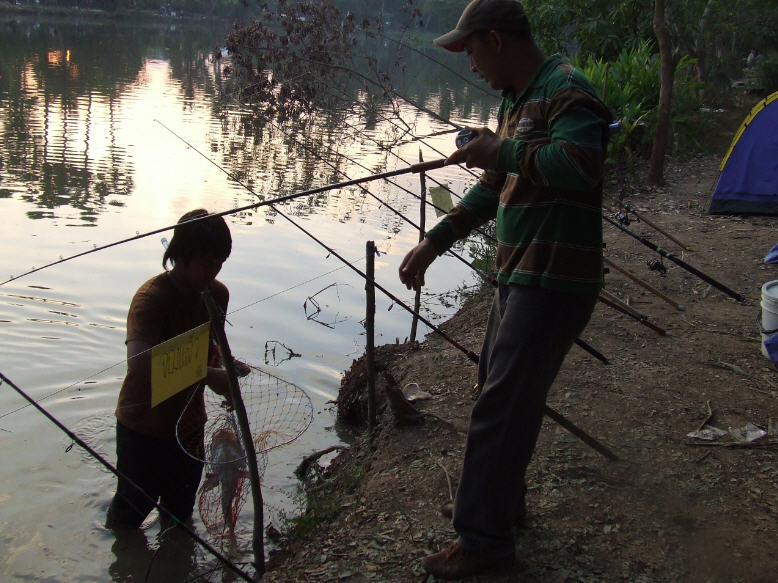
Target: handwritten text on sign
<point>178,363</point>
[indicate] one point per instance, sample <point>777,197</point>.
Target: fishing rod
<point>609,299</point>
<point>676,260</point>
<point>646,285</point>
<point>485,277</point>
<point>578,432</point>
<point>581,343</point>
<point>83,445</point>
<point>631,209</point>
<point>415,168</point>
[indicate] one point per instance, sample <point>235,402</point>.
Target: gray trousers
<point>530,330</point>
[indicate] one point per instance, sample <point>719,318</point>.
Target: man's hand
<point>416,263</point>
<point>482,151</point>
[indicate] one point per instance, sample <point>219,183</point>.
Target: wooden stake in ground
<point>370,333</point>
<point>422,230</point>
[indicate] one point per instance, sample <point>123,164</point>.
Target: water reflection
<point>64,86</point>
<point>172,556</point>
<point>79,147</point>
<point>61,86</point>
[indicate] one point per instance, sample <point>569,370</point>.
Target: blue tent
<point>748,179</point>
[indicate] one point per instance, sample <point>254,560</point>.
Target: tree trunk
<point>667,72</point>
<point>700,52</point>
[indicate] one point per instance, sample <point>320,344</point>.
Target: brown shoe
<point>456,562</point>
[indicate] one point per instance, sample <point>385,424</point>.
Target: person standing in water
<point>147,438</point>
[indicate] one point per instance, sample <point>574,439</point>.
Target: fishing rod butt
<point>425,166</point>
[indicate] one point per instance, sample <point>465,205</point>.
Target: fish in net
<point>278,413</point>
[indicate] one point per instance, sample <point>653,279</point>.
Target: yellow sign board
<point>178,363</point>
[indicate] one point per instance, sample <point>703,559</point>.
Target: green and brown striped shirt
<point>546,192</point>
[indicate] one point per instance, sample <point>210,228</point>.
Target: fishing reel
<point>464,136</point>
<point>657,265</point>
<point>623,216</point>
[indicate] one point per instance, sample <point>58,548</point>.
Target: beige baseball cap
<point>482,15</point>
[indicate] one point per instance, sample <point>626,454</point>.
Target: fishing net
<point>278,413</point>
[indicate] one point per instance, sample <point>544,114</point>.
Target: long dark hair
<point>198,236</point>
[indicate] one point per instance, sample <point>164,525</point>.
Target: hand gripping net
<point>278,413</point>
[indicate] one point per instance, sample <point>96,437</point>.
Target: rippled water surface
<point>85,161</point>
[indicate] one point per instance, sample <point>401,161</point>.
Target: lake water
<point>85,161</point>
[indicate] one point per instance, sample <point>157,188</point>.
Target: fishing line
<point>394,123</point>
<point>110,467</point>
<point>470,354</point>
<point>560,419</point>
<point>416,168</point>
<point>384,89</point>
<point>420,140</point>
<point>484,276</point>
<point>446,67</point>
<point>377,198</point>
<point>404,161</point>
<point>124,361</point>
<point>283,291</point>
<point>70,386</point>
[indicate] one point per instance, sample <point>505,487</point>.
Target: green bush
<point>630,87</point>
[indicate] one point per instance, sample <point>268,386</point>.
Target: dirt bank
<point>671,509</point>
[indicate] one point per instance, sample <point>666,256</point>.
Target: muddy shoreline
<point>671,509</point>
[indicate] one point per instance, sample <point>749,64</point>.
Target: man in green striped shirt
<point>542,183</point>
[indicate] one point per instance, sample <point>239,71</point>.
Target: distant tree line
<point>222,8</point>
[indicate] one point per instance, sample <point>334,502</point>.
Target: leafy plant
<point>630,87</point>
<point>318,498</point>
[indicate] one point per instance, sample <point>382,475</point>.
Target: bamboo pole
<point>422,231</point>
<point>217,325</point>
<point>370,333</point>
